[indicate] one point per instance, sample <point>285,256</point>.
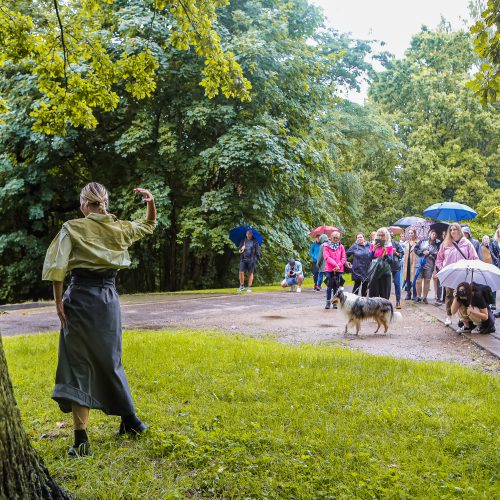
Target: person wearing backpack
<point>454,248</point>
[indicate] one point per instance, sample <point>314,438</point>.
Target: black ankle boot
<point>131,425</point>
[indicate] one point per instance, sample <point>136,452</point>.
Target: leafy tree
<point>449,140</point>
<point>78,62</point>
<point>486,31</point>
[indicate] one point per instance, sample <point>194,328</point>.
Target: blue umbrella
<point>407,221</point>
<point>237,235</point>
<point>449,210</point>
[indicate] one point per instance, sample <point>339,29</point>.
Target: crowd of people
<point>409,265</point>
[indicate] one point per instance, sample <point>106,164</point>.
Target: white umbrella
<point>470,271</point>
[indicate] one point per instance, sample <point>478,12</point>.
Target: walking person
<point>361,260</point>
<point>454,248</point>
<point>426,249</point>
<point>313,253</point>
<point>335,258</point>
<point>249,256</point>
<point>382,253</point>
<point>323,240</point>
<point>90,373</point>
<point>410,264</point>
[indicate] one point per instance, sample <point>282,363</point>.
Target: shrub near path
<point>235,417</point>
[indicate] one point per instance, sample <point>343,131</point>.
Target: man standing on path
<point>249,255</point>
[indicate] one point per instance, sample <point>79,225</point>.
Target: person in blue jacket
<point>313,253</point>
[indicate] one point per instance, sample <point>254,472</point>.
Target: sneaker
<point>497,315</point>
<point>417,300</point>
<point>464,329</point>
<point>334,306</point>
<point>249,289</point>
<point>424,301</point>
<point>82,450</point>
<point>447,321</point>
<point>327,304</point>
<point>398,304</point>
<point>299,289</point>
<point>438,303</point>
<point>241,288</point>
<point>476,330</point>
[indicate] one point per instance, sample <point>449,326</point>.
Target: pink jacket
<point>334,258</point>
<point>450,255</point>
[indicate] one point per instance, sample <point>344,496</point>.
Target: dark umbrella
<point>407,221</point>
<point>439,227</point>
<point>238,234</point>
<point>450,210</point>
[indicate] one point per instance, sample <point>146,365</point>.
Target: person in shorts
<point>429,249</point>
<point>249,255</point>
<point>294,276</point>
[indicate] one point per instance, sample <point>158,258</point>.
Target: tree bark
<point>23,474</point>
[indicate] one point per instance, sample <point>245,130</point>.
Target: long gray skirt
<point>89,371</point>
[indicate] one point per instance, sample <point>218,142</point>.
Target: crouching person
<point>294,276</point>
<point>472,308</point>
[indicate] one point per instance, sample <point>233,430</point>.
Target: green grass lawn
<point>236,417</point>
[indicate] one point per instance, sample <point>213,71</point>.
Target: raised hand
<point>146,195</point>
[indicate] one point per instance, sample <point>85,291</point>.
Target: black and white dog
<point>358,309</point>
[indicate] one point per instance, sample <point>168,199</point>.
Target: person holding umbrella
<point>454,248</point>
<point>249,256</point>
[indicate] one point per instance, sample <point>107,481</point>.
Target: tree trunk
<point>22,472</point>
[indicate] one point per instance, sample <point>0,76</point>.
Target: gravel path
<point>289,317</point>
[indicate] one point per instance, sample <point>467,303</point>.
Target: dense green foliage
<point>294,157</point>
<point>486,31</point>
<point>233,417</point>
<point>212,164</point>
<point>450,141</point>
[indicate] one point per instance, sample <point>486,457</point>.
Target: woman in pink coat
<point>334,256</point>
<point>455,247</point>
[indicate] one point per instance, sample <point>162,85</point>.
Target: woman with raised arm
<point>90,373</point>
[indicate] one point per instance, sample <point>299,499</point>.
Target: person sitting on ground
<point>294,275</point>
<point>426,248</point>
<point>471,306</point>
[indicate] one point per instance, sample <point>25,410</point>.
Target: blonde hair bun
<point>95,194</point>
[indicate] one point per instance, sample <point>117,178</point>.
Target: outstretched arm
<point>150,207</point>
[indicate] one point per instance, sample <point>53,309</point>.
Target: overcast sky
<point>391,21</point>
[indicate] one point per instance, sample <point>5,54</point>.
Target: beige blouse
<point>95,242</point>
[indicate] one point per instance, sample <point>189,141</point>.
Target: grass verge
<point>236,417</point>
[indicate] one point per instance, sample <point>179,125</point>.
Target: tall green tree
<point>450,141</point>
